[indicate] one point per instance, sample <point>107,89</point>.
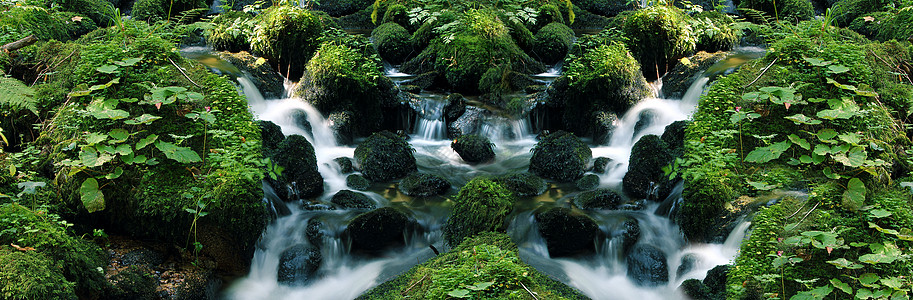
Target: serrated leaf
<point>841,286</point>
<point>94,138</point>
<point>803,119</point>
<point>107,69</point>
<point>826,134</point>
<point>799,141</point>
<point>17,96</point>
<point>119,134</point>
<point>115,174</point>
<point>766,154</point>
<point>91,197</point>
<point>146,141</point>
<point>178,153</point>
<point>854,196</point>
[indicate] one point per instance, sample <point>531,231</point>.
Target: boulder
<point>473,149</point>
<point>481,205</point>
<point>423,185</point>
<point>645,177</point>
<point>297,156</point>
<point>647,266</point>
<point>378,230</point>
<point>347,199</point>
<point>687,264</point>
<point>393,42</point>
<point>523,184</point>
<point>357,182</point>
<point>567,233</point>
<point>560,156</point>
<point>674,137</point>
<point>716,279</point>
<point>553,42</point>
<point>314,232</point>
<point>659,36</point>
<point>345,165</point>
<point>603,127</point>
<point>270,136</point>
<point>695,289</point>
<point>456,105</point>
<point>468,123</point>
<point>343,125</point>
<point>385,156</point>
<point>587,182</point>
<point>600,164</point>
<point>677,81</point>
<point>300,119</point>
<point>298,264</point>
<point>598,199</point>
<point>287,36</point>
<point>631,234</point>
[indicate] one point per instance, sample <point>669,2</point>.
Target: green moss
<point>482,205</point>
<point>486,257</point>
<point>473,148</point>
<point>26,275</point>
<point>884,26</point>
<point>288,37</point>
<point>553,42</point>
<point>392,41</point>
<point>845,11</point>
<point>230,31</point>
<point>384,156</point>
<point>659,36</point>
<point>714,31</point>
<point>100,11</point>
<point>18,22</point>
<point>161,10</point>
<point>523,184</point>
<point>561,156</point>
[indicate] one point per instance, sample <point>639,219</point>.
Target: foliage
<point>785,10</point>
<point>659,36</point>
<point>714,31</point>
<point>163,10</point>
<point>31,275</point>
<point>20,21</point>
<point>481,205</point>
<point>884,26</point>
<point>230,31</point>
<point>287,36</point>
<point>607,70</point>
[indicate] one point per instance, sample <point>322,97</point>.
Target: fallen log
<point>19,44</point>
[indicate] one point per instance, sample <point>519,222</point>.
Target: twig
<point>182,72</point>
<point>528,291</point>
<point>890,66</point>
<point>763,71</point>
<point>809,212</point>
<point>413,285</point>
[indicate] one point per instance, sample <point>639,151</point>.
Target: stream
<point>343,275</point>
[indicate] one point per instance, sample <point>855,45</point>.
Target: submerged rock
<point>523,184</point>
<point>347,199</point>
<point>357,182</point>
<point>473,149</point>
<point>423,185</point>
<point>587,182</point>
<point>647,266</point>
<point>600,164</point>
<point>567,233</point>
<point>385,156</point>
<point>560,156</point>
<point>598,199</point>
<point>378,230</point>
<point>298,264</point>
<point>345,165</point>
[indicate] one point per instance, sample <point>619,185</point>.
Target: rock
<point>600,164</point>
<point>357,182</point>
<point>647,266</point>
<point>134,282</point>
<point>345,165</point>
<point>674,137</point>
<point>523,184</point>
<point>271,135</point>
<point>687,264</point>
<point>298,264</point>
<point>645,119</point>
<point>560,156</point>
<point>468,123</point>
<point>385,156</point>
<point>482,205</point>
<point>631,234</point>
<point>456,105</point>
<point>423,185</point>
<point>553,42</point>
<point>473,149</point>
<point>598,199</point>
<point>680,78</point>
<point>694,289</point>
<point>378,230</point>
<point>343,126</point>
<point>297,156</point>
<point>264,77</point>
<point>587,182</point>
<point>604,127</point>
<point>142,257</point>
<point>567,233</point>
<point>716,279</point>
<point>347,199</point>
<point>716,32</point>
<point>663,37</point>
<point>300,119</point>
<point>314,232</point>
<point>393,42</point>
<point>424,81</point>
<point>645,177</point>
<point>287,36</point>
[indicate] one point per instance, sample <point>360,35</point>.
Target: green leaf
<point>119,134</point>
<point>855,158</point>
<point>864,294</point>
<point>766,154</point>
<point>840,85</point>
<point>128,62</point>
<point>843,263</point>
<point>107,69</point>
<point>877,258</point>
<point>94,138</point>
<point>830,174</point>
<point>90,158</point>
<point>123,149</point>
<point>868,279</point>
<point>459,293</point>
<point>17,96</point>
<point>178,153</point>
<point>816,62</point>
<point>103,149</point>
<point>140,159</point>
<point>114,175</point>
<point>837,69</point>
<point>30,187</point>
<point>146,141</point>
<point>111,82</point>
<point>880,213</point>
<point>842,286</point>
<point>799,141</point>
<point>826,134</point>
<point>803,119</point>
<point>851,138</point>
<point>815,294</point>
<point>805,159</point>
<point>144,119</point>
<point>854,197</point>
<point>91,197</point>
<point>483,285</point>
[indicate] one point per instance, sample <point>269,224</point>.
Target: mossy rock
<point>77,24</point>
<point>287,36</point>
<point>523,184</point>
<point>674,137</point>
<point>264,77</point>
<point>347,199</point>
<point>378,230</point>
<point>26,275</point>
<point>345,165</point>
<point>648,156</point>
<point>297,156</point>
<point>423,185</point>
<point>486,257</point>
<point>567,233</point>
<point>21,21</point>
<point>393,42</point>
<point>163,10</point>
<point>385,156</point>
<point>298,265</point>
<point>271,136</point>
<point>598,199</point>
<point>587,182</point>
<point>473,148</point>
<point>553,42</point>
<point>560,156</point>
<point>600,164</point>
<point>680,78</point>
<point>659,36</point>
<point>481,205</point>
<point>341,8</point>
<point>135,282</point>
<point>647,266</point>
<point>357,182</point>
<point>230,31</point>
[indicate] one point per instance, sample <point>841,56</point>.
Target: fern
<point>187,16</point>
<point>16,97</point>
<point>756,16</point>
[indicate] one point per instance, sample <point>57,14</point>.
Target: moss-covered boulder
<point>560,156</point>
<point>481,205</point>
<point>378,230</point>
<point>31,275</point>
<point>553,42</point>
<point>264,77</point>
<point>296,155</point>
<point>230,31</point>
<point>287,36</point>
<point>393,42</point>
<point>523,184</point>
<point>347,199</point>
<point>645,177</point>
<point>659,36</point>
<point>162,10</point>
<point>21,21</point>
<point>647,265</point>
<point>587,182</point>
<point>298,265</point>
<point>357,182</point>
<point>473,148</point>
<point>340,79</point>
<point>385,156</point>
<point>606,79</point>
<point>485,258</point>
<point>598,199</point>
<point>600,164</point>
<point>423,185</point>
<point>674,137</point>
<point>567,233</point>
<point>677,81</point>
<point>345,165</point>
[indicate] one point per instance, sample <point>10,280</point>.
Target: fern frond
<point>16,97</point>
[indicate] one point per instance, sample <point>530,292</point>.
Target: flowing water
<point>343,275</point>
